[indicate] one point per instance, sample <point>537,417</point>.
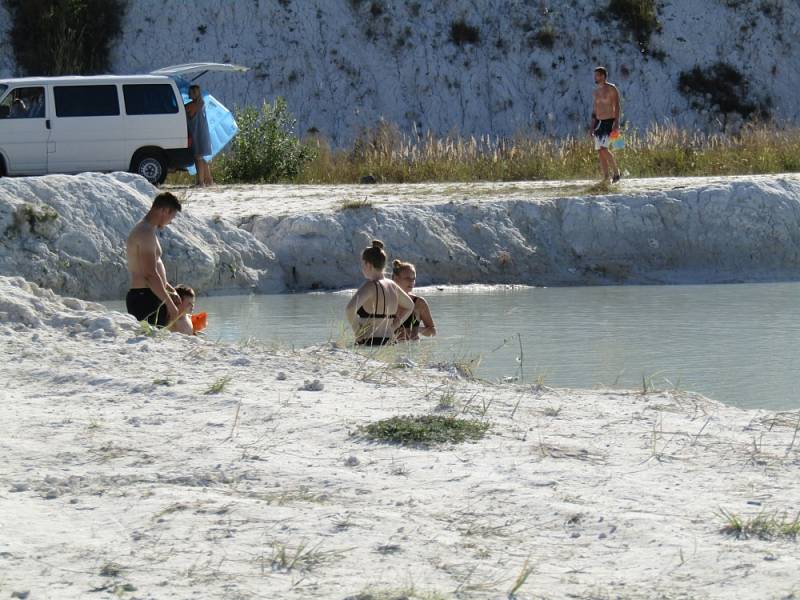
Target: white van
<point>131,123</point>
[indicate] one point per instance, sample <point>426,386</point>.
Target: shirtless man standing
<point>151,297</point>
<point>605,120</point>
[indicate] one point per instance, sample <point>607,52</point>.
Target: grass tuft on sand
<point>354,204</point>
<point>764,526</point>
<point>424,430</point>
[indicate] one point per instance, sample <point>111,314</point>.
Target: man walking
<point>150,296</point>
<point>605,121</point>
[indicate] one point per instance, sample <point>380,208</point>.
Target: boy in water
<point>183,324</point>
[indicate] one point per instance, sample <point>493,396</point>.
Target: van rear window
<point>86,100</point>
<point>149,99</point>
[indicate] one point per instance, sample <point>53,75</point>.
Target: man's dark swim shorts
<point>602,133</point>
<point>143,304</point>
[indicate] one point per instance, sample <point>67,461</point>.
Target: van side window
<point>24,103</point>
<point>86,100</point>
<point>149,99</point>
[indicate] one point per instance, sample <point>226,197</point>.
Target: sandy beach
<point>173,467</point>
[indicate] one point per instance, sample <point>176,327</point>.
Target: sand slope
<point>68,232</point>
<point>122,475</point>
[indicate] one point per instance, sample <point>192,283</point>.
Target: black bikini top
<point>412,321</point>
<point>365,315</point>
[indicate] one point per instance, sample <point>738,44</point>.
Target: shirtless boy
<point>605,120</point>
<point>151,297</point>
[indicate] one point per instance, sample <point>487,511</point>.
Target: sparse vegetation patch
<point>462,33</point>
<point>32,216</point>
<point>719,88</point>
<point>424,430</point>
<point>765,526</point>
<point>354,203</point>
<point>544,38</point>
<point>638,17</point>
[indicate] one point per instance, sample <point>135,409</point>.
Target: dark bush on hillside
<point>544,38</point>
<point>266,149</point>
<point>64,37</point>
<point>376,9</point>
<point>638,17</point>
<point>462,33</point>
<point>719,85</point>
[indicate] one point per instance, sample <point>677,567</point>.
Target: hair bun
<point>397,263</point>
<point>377,244</point>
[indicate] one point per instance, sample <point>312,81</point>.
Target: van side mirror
<point>4,110</point>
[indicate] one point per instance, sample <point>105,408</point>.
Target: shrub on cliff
<point>462,33</point>
<point>639,17</point>
<point>719,88</point>
<point>266,149</point>
<point>64,37</point>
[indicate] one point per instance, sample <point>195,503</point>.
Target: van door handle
<point>47,123</point>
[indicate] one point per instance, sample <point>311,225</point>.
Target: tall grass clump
<point>64,37</point>
<point>266,150</point>
<point>662,150</point>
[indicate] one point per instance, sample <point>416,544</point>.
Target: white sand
<point>119,470</point>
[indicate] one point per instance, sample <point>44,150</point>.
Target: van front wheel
<point>150,165</point>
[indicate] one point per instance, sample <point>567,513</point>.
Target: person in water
<point>379,306</point>
<point>150,296</point>
<point>197,124</point>
<point>183,324</point>
<point>404,274</point>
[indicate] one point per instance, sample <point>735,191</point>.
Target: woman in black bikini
<point>404,274</point>
<point>379,306</point>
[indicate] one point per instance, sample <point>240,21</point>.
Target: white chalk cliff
<point>68,233</point>
<point>726,231</point>
<point>343,64</point>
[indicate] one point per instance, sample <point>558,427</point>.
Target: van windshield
<point>3,88</point>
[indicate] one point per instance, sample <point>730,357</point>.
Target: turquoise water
<point>736,343</point>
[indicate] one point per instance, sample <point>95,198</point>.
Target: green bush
<point>64,37</point>
<point>266,149</point>
<point>719,86</point>
<point>544,38</point>
<point>462,33</point>
<point>639,17</point>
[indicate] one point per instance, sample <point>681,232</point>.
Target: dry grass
<point>663,150</point>
<point>392,156</point>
